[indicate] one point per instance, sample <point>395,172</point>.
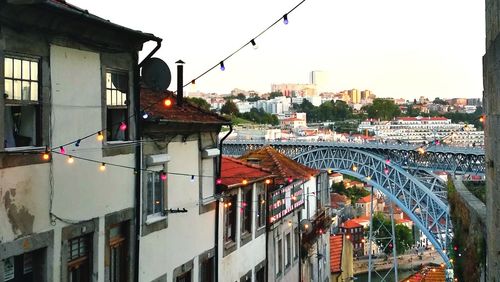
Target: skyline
<point>394,48</point>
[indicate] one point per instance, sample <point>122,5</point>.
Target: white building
<point>66,74</point>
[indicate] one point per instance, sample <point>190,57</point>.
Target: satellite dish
<point>156,74</point>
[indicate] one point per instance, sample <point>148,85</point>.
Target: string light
<point>71,160</point>
<point>123,126</point>
<point>268,181</point>
<point>77,143</point>
<point>218,181</point>
<point>163,176</point>
<point>368,178</point>
<point>145,115</point>
<point>254,45</point>
<point>290,179</point>
<point>102,167</point>
<point>354,168</point>
<point>289,223</point>
<point>100,137</point>
<point>46,155</point>
<point>61,149</point>
<point>285,19</point>
<point>167,102</point>
<point>421,150</point>
<point>193,82</point>
<point>244,182</point>
<point>388,161</point>
<point>222,67</point>
<point>481,118</point>
<point>192,178</point>
<point>386,170</point>
<point>311,177</point>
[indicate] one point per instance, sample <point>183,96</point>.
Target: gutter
<point>138,157</point>
<point>217,205</point>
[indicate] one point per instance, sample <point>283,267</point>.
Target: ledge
<point>474,205</point>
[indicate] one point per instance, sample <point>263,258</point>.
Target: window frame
<point>122,107</point>
<point>230,217</point>
<point>155,216</point>
<point>260,207</point>
<point>37,134</point>
<point>246,211</point>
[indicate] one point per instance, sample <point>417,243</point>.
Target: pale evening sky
<point>396,48</point>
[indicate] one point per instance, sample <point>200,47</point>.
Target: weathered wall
<point>491,81</point>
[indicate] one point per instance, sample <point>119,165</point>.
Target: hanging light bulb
<point>100,137</point>
<point>481,118</point>
<point>289,223</point>
<point>421,150</point>
<point>285,19</point>
<point>145,115</point>
<point>354,168</point>
<point>218,181</point>
<point>77,143</point>
<point>311,177</point>
<point>193,82</point>
<point>290,179</point>
<point>102,167</point>
<point>268,181</point>
<point>71,160</point>
<point>368,178</point>
<point>46,155</point>
<point>123,126</point>
<point>254,45</point>
<point>222,67</point>
<point>192,178</point>
<point>62,150</point>
<point>167,102</point>
<point>244,182</point>
<point>163,176</point>
<point>388,161</point>
<point>386,170</point>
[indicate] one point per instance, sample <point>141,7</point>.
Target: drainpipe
<point>217,192</point>
<point>138,155</point>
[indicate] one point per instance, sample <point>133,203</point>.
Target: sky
<point>396,48</point>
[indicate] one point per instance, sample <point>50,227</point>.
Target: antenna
<point>156,74</point>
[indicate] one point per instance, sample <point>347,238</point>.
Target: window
<point>117,89</point>
<point>207,270</point>
<point>246,211</point>
<point>22,108</point>
<point>154,185</point>
<point>260,275</point>
<point>261,208</point>
<point>26,267</point>
<point>79,259</point>
<point>118,252</point>
<point>279,257</point>
<point>230,219</point>
<point>288,248</point>
<point>297,243</point>
<point>185,277</point>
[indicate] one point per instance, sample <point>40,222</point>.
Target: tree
<point>383,109</point>
<point>439,101</point>
<point>229,108</point>
<point>275,94</point>
<point>260,116</point>
<point>200,102</point>
<point>241,97</point>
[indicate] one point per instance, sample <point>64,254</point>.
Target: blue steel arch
<point>428,211</point>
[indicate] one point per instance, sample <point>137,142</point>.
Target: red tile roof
<point>336,244</point>
<point>338,198</point>
<point>421,118</point>
<point>351,224</point>
<point>280,164</point>
<point>364,200</point>
<point>152,101</point>
<point>234,171</point>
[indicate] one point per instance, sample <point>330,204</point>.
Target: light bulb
<point>102,167</point>
<point>62,150</point>
<point>163,175</point>
<point>388,161</point>
<point>77,143</point>
<point>254,45</point>
<point>222,67</point>
<point>244,182</point>
<point>218,181</point>
<point>123,126</point>
<point>354,168</point>
<point>167,102</point>
<point>268,181</point>
<point>289,223</point>
<point>290,180</point>
<point>71,160</point>
<point>100,137</point>
<point>285,19</point>
<point>192,178</point>
<point>145,115</point>
<point>46,156</point>
<point>386,170</point>
<point>193,82</point>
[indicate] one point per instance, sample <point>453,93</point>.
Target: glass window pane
<point>8,88</point>
<point>34,91</point>
<point>8,67</point>
<point>17,68</point>
<point>17,89</point>
<point>149,192</point>
<point>124,98</point>
<point>26,70</point>
<point>26,91</point>
<point>108,80</point>
<point>34,70</point>
<point>108,97</point>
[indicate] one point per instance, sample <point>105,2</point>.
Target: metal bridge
<point>402,173</point>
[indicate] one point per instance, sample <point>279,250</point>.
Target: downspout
<point>217,192</point>
<point>138,156</point>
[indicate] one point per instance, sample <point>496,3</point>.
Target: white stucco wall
<point>188,234</point>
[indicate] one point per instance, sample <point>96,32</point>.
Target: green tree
<point>200,102</point>
<point>260,116</point>
<point>241,97</point>
<point>382,228</point>
<point>229,108</point>
<point>275,94</point>
<point>384,109</point>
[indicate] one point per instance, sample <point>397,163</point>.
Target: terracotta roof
<point>152,101</point>
<point>364,200</point>
<point>336,197</point>
<point>234,171</point>
<point>428,274</point>
<point>351,224</point>
<point>280,164</point>
<point>336,174</point>
<point>336,244</point>
<point>421,118</point>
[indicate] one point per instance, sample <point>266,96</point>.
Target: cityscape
<point>119,164</point>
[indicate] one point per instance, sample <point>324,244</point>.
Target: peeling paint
<point>19,217</point>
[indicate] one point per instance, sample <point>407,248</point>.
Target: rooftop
<point>234,171</point>
<point>364,200</point>
<point>351,223</point>
<point>280,165</point>
<point>336,244</point>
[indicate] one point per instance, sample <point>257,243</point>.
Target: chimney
<point>180,82</point>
